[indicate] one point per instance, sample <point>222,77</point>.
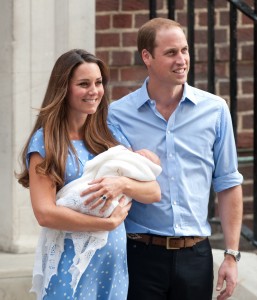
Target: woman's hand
<point>104,189</point>
<point>119,214</point>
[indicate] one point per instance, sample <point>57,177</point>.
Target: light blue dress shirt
<point>196,147</point>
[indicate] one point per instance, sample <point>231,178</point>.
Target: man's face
<point>170,60</point>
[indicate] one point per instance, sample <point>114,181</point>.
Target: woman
<point>71,129</point>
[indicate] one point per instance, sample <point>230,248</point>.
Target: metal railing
<point>251,13</point>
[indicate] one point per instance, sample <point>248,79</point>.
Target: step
<point>16,271</point>
<point>15,276</point>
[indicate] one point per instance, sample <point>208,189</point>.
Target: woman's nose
<point>92,90</point>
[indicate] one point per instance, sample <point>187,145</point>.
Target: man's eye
<point>171,53</point>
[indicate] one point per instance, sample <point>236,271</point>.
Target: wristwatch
<point>236,254</point>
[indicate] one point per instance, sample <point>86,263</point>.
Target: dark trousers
<point>156,273</point>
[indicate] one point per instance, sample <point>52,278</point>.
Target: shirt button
<point>175,203</point>
<point>176,225</point>
<point>170,155</point>
<point>168,132</point>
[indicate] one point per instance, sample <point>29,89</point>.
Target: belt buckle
<point>168,238</point>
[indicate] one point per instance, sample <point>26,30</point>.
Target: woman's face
<point>85,90</point>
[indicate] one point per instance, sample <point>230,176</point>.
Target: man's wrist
<point>234,253</point>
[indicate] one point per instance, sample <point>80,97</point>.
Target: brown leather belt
<point>169,242</point>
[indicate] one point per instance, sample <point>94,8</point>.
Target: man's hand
<point>227,272</point>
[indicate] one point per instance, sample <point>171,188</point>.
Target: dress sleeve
<point>119,136</point>
<point>36,144</point>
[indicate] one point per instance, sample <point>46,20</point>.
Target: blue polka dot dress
<point>106,277</point>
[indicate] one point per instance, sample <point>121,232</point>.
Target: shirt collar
<point>143,94</point>
<point>188,94</point>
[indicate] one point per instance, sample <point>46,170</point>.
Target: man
<point>169,255</point>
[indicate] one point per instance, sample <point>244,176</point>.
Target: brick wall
<point>117,23</point>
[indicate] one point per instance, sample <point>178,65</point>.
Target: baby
<point>116,161</point>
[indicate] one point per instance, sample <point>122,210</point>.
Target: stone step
<point>16,271</point>
<point>15,276</point>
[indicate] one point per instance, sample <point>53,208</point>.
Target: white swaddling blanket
<point>117,161</point>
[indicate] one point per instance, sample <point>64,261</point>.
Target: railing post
<point>211,84</point>
<point>211,51</point>
<point>233,67</point>
<point>191,39</point>
<point>171,9</point>
<point>152,11</point>
<point>255,130</point>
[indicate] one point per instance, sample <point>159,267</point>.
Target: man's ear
<point>146,56</point>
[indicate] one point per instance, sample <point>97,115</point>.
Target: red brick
<point>129,39</point>
<point>222,53</point>
<point>223,87</point>
<point>140,19</point>
<point>202,54</point>
<point>245,69</point>
<point>203,18</point>
<point>201,85</point>
<point>133,74</point>
<point>181,18</point>
<point>245,34</point>
<point>200,36</point>
<point>122,21</point>
<point>107,5</point>
<point>180,4</point>
<point>107,40</point>
<point>221,4</point>
<point>103,55</point>
<point>201,70</point>
<point>200,4</point>
<point>245,103</point>
<point>120,91</point>
<point>245,139</point>
<point>247,52</point>
<point>221,36</point>
<point>221,70</point>
<point>247,122</point>
<point>247,189</point>
<point>121,58</point>
<point>246,170</point>
<point>248,207</point>
<point>114,74</point>
<point>247,87</point>
<point>224,18</point>
<point>103,22</point>
<point>246,20</point>
<point>137,5</point>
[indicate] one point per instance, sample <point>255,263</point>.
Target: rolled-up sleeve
<point>226,174</point>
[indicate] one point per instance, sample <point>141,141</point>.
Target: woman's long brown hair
<point>53,119</point>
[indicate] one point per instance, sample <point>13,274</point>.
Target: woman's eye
<point>83,84</point>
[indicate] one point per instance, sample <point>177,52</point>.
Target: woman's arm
<point>43,199</point>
